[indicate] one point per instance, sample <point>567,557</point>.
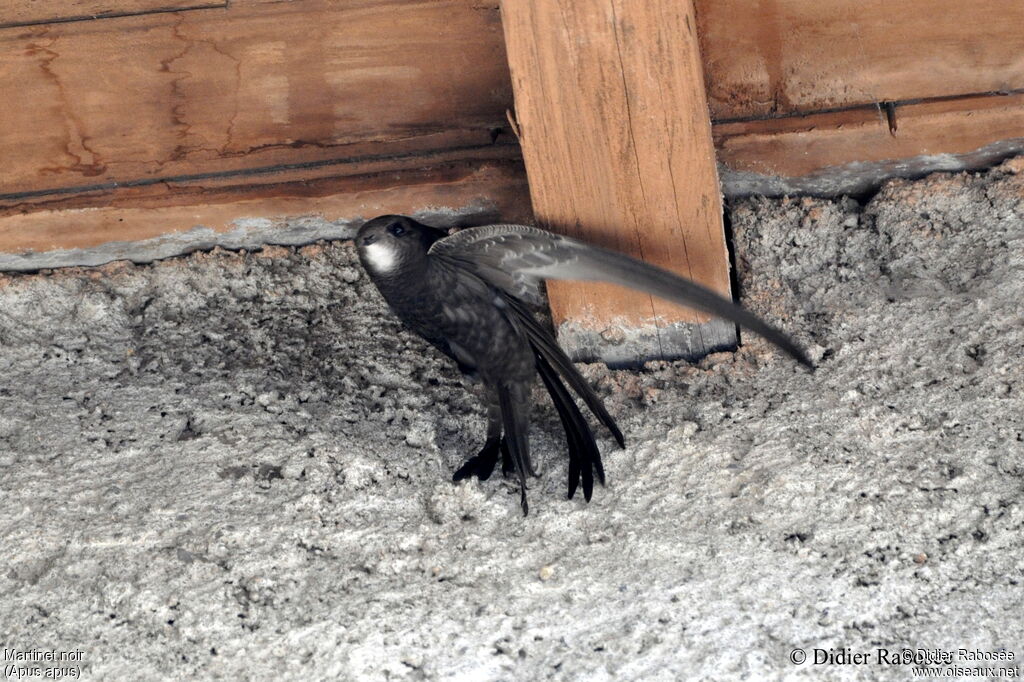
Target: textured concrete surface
<point>236,466</point>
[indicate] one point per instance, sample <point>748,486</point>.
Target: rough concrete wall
<point>236,466</point>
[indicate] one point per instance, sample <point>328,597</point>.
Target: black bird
<point>467,294</point>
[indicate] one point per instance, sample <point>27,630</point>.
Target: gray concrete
<point>235,466</point>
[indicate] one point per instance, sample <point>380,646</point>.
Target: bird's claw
<point>482,464</point>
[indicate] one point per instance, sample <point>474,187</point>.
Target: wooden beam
<point>617,143</point>
<point>151,108</point>
<point>14,14</point>
<point>187,187</point>
<point>853,151</point>
<point>775,57</point>
<point>157,221</point>
<point>255,85</point>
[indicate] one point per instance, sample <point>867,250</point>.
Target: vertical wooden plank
<point>616,138</point>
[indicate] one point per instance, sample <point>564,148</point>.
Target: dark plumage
<point>467,293</point>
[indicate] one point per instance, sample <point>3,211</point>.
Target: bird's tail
<point>544,345</point>
<point>515,417</point>
<point>584,457</point>
<point>555,366</point>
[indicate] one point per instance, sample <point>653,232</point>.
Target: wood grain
<point>802,146</point>
<point>492,190</point>
<point>196,189</point>
<point>252,86</point>
<point>774,57</point>
<point>24,12</point>
<point>171,112</point>
<point>617,144</point>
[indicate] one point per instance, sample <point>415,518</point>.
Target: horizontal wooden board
<point>488,191</point>
<point>777,57</point>
<point>252,86</point>
<point>196,189</point>
<point>24,12</point>
<point>801,146</point>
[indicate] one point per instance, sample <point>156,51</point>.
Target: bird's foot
<point>482,466</point>
<point>483,463</point>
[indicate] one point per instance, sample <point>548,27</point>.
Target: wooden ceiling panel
<point>255,86</point>
<point>776,57</point>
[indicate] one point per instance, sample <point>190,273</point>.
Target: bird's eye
<point>396,229</point>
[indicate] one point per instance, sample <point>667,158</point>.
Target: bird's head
<point>388,242</point>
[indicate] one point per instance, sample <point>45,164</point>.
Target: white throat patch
<point>381,257</point>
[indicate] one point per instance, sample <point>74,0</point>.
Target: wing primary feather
<point>515,257</point>
<point>635,274</point>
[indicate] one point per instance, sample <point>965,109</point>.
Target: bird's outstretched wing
<point>515,258</point>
